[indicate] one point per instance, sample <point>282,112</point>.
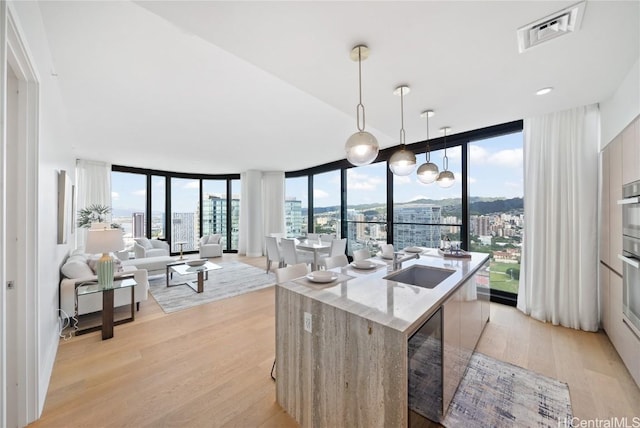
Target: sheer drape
<point>261,209</point>
<point>93,180</point>
<point>559,266</point>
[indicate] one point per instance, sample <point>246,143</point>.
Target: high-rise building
<point>293,217</point>
<point>417,224</point>
<point>183,229</point>
<point>139,229</point>
<point>214,218</point>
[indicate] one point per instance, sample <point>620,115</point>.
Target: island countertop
<point>402,307</point>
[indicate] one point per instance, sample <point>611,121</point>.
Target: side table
<point>85,288</point>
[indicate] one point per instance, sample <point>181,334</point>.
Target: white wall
<point>54,155</point>
<point>623,106</point>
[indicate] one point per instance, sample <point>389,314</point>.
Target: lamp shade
<point>446,179</point>
<point>104,240</point>
<point>428,173</point>
<point>362,148</point>
<point>402,162</point>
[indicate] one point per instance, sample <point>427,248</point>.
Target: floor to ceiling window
<point>158,206</point>
<point>214,209</point>
<point>235,214</point>
<point>496,209</point>
<point>366,207</point>
<point>426,214</point>
<point>326,203</point>
<point>296,206</point>
<point>129,204</point>
<point>185,203</point>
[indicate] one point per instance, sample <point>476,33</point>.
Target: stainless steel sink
<point>421,276</point>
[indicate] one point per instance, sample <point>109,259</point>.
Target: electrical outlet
<point>308,323</point>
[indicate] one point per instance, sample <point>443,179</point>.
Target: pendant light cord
<point>360,106</point>
<point>445,159</point>
<point>428,145</point>
<point>402,117</point>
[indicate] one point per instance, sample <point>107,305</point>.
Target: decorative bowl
<point>198,262</point>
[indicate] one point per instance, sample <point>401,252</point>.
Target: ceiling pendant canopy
<point>428,171</point>
<point>446,177</point>
<point>403,161</point>
<point>362,147</point>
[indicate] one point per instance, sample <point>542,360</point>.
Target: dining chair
<point>361,254</point>
<point>273,253</point>
<point>291,255</point>
<point>338,246</point>
<point>285,274</point>
<point>327,237</point>
<point>288,273</point>
<point>336,261</point>
<point>313,236</point>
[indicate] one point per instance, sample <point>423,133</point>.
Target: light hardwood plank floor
<point>209,367</point>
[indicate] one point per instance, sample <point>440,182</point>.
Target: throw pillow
<point>145,243</point>
<point>214,239</point>
<point>76,269</point>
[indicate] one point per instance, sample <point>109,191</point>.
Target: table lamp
<point>104,241</point>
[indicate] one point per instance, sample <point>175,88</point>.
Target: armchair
<point>210,246</point>
<point>144,247</point>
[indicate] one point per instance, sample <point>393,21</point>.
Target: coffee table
<point>181,268</point>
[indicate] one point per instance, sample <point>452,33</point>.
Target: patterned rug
<point>233,279</point>
<point>498,394</point>
<point>492,393</point>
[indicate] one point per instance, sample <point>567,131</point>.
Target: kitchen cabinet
<point>623,339</point>
<point>605,310</point>
<point>615,210</point>
<point>605,196</point>
<point>631,152</point>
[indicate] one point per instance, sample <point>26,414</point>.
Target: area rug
<point>498,394</point>
<point>233,279</point>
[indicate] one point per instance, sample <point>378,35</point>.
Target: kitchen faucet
<point>397,263</point>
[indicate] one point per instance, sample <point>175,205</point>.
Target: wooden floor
<point>209,367</point>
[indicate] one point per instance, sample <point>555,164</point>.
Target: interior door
<point>11,250</point>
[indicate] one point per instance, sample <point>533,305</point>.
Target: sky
<point>495,170</point>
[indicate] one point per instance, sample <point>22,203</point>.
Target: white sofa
<point>210,246</point>
<point>77,269</point>
<point>145,247</point>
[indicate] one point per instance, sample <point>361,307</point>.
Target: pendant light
<point>446,177</point>
<point>403,161</point>
<point>428,172</point>
<point>362,147</point>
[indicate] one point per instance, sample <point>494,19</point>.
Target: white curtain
<point>250,235</point>
<point>93,186</point>
<point>273,202</point>
<point>559,267</point>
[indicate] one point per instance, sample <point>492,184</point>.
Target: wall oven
<point>631,209</point>
<point>631,283</point>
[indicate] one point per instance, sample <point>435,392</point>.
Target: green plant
<point>94,213</point>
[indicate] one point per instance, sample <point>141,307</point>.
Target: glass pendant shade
<point>428,172</point>
<point>402,162</point>
<point>362,148</point>
<point>445,179</point>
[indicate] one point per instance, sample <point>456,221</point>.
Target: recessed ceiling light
<point>544,91</point>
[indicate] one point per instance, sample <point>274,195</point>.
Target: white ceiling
<point>222,87</point>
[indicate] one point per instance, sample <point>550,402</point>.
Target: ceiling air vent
<point>555,25</point>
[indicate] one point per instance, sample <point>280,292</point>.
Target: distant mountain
<point>496,206</point>
<point>451,206</point>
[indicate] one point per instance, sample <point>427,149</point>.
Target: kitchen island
<point>342,348</point>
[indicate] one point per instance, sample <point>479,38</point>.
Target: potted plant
<point>94,213</point>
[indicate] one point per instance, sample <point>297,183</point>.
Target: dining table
<point>315,246</point>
